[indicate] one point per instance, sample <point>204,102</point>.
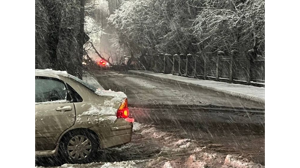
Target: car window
<point>75,97</point>
<point>47,89</point>
<point>92,88</point>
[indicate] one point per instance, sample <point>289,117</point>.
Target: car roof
<point>50,73</point>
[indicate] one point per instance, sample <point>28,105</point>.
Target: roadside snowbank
<point>124,164</point>
<point>191,154</point>
<point>234,161</point>
<point>174,153</point>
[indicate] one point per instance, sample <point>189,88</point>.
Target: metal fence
<point>233,67</point>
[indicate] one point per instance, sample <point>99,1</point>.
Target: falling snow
<point>192,73</point>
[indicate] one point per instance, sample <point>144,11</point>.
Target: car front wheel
<point>79,147</point>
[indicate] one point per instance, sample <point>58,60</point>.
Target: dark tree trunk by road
<point>60,35</point>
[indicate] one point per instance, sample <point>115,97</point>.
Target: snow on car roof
<point>56,74</point>
<point>50,73</point>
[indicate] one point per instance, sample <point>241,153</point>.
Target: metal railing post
<point>232,58</point>
<point>220,53</point>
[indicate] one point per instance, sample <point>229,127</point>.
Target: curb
<point>239,95</point>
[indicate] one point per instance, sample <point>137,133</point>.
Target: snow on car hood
<point>108,110</point>
<point>113,101</point>
<point>117,95</point>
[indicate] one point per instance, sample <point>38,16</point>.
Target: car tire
<point>78,147</point>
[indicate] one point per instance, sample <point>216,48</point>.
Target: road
<point>142,90</point>
<point>206,122</point>
<point>236,125</point>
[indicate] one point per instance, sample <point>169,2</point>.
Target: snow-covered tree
<point>155,25</point>
<point>175,26</point>
<point>96,13</point>
<point>231,25</point>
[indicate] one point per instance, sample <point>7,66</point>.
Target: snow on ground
<point>192,162</point>
<point>136,126</point>
<point>181,142</point>
<point>235,161</point>
<point>167,165</point>
<point>174,153</point>
<point>128,164</point>
<point>124,164</point>
<point>190,154</point>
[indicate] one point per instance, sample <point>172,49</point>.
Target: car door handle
<point>64,108</point>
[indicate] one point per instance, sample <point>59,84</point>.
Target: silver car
<point>74,119</point>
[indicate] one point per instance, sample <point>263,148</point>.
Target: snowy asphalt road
<point>212,122</point>
<point>142,90</point>
<point>190,112</point>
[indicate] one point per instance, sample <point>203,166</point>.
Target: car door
<point>54,113</point>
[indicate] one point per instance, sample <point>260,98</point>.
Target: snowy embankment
<point>124,164</point>
<point>186,153</point>
<point>174,153</point>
